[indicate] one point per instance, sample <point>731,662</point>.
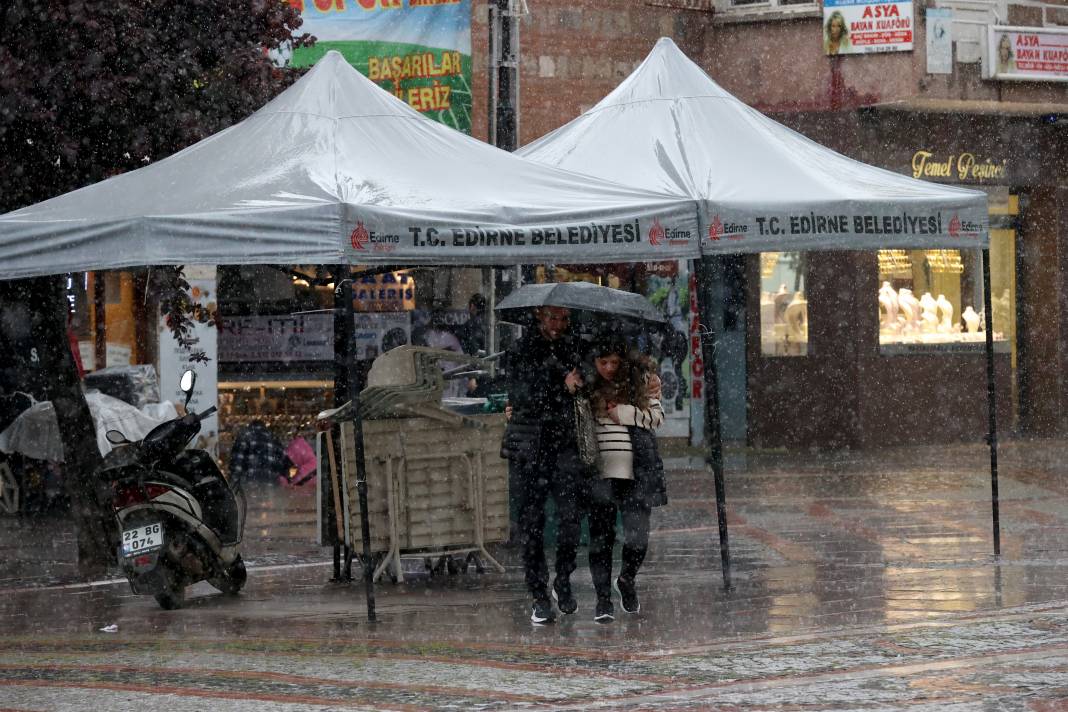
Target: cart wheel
<point>441,566</point>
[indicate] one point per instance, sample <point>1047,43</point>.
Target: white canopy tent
<point>669,127</point>
<point>762,187</point>
<point>336,170</point>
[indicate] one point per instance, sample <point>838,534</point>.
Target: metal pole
<point>713,437</point>
<point>100,338</point>
<point>343,284</point>
<point>504,75</point>
<point>341,389</point>
<point>991,399</point>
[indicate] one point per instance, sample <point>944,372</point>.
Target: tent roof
<point>669,127</point>
<point>333,170</point>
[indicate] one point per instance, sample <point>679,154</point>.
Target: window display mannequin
<point>1002,307</point>
<point>781,299</point>
<point>910,310</point>
<point>945,314</point>
<point>971,320</point>
<point>928,314</point>
<point>888,309</point>
<point>797,319</point>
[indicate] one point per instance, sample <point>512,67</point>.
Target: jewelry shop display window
<point>932,300</point>
<point>783,308</point>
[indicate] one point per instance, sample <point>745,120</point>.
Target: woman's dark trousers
<point>609,497</point>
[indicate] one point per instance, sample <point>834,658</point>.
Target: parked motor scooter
<point>179,519</point>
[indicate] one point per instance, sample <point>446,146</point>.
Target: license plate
<point>141,539</point>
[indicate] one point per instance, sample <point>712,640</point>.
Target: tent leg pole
<point>991,399</point>
<point>343,287</point>
<point>713,436</point>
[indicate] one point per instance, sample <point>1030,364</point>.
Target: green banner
<point>418,50</point>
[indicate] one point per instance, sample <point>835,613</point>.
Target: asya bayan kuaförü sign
<point>862,26</point>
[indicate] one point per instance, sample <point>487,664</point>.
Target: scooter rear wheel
<point>233,580</point>
<point>171,599</point>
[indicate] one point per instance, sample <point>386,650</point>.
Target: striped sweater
<point>613,441</point>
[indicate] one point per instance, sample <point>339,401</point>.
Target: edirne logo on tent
<point>962,228</point>
<point>732,231</point>
<point>658,234</point>
<point>379,242</point>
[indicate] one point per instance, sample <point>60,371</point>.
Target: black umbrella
<point>518,306</point>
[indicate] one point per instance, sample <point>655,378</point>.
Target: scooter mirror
<point>189,379</point>
<point>116,438</point>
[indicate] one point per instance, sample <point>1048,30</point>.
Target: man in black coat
<point>544,455</point>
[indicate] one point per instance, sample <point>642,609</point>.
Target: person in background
<point>630,480</point>
<point>472,333</point>
<point>542,373</point>
<point>439,336</point>
<point>257,455</point>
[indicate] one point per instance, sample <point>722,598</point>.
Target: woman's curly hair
<point>630,383</point>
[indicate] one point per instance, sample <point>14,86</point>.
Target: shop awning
<point>337,170</point>
<point>669,127</point>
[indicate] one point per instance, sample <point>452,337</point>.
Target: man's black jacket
<point>536,368</point>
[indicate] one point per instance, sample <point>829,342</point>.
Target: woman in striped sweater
<point>623,396</point>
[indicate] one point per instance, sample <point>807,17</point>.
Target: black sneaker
<point>542,613</point>
<point>565,600</point>
<point>628,595</point>
<point>604,612</point>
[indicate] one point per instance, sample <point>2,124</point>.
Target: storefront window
<point>783,308</point>
<point>934,298</point>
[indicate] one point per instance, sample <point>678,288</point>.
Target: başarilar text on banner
<point>418,50</point>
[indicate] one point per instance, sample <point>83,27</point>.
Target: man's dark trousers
<point>557,473</point>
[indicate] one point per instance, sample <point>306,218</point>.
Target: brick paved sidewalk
<point>860,581</point>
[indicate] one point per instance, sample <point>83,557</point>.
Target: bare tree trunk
<point>33,330</point>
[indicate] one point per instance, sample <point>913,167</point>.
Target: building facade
<point>952,107</point>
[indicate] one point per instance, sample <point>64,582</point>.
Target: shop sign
<point>175,358</point>
<point>1037,54</point>
<point>389,292</point>
<point>378,333</point>
<point>419,50</point>
<point>308,337</point>
<point>862,26</point>
<point>697,359</point>
<point>939,40</point>
<point>670,293</point>
<point>963,167</point>
<point>300,337</point>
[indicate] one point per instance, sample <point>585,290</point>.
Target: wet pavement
<point>860,581</point>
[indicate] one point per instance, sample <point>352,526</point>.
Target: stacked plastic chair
<point>408,382</point>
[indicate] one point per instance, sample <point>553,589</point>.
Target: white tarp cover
<point>335,170</point>
<point>669,127</point>
<point>35,433</point>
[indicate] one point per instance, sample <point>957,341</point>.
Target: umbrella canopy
<point>35,433</point>
<point>669,127</point>
<point>334,170</point>
<point>581,296</point>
